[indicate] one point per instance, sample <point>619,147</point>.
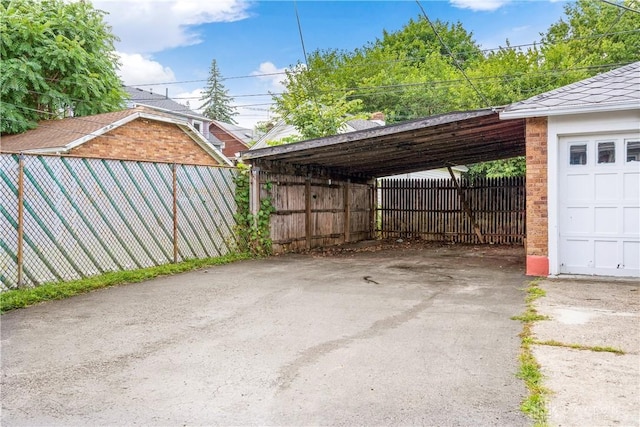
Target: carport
<point>324,190</point>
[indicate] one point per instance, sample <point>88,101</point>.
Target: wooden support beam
<point>307,216</point>
<point>347,212</point>
<point>467,209</point>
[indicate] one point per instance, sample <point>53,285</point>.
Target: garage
<point>583,176</point>
<point>598,204</point>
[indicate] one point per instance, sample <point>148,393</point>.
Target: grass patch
<point>19,298</point>
<point>529,371</point>
<point>596,348</point>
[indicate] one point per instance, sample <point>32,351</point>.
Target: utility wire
<point>455,62</point>
<point>621,6</point>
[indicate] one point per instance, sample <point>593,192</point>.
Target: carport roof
<point>450,139</point>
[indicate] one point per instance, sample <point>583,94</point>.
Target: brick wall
<point>150,140</point>
<point>537,216</point>
<point>231,143</point>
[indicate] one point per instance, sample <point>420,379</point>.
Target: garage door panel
<point>606,254</point>
<point>631,256</point>
<point>579,187</point>
<point>578,220</point>
<point>578,253</point>
<point>606,220</point>
<point>606,186</point>
<point>631,185</point>
<point>631,220</point>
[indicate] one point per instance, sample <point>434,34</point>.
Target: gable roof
<point>283,130</point>
<point>244,135</point>
<point>61,136</point>
<point>161,102</point>
<point>615,90</point>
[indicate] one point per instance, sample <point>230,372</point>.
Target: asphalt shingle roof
<point>617,87</point>
<point>58,133</point>
<point>154,100</point>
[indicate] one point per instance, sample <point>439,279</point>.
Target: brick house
<point>583,176</point>
<point>133,134</point>
<point>231,138</point>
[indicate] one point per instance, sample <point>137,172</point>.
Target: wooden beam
<point>347,212</point>
<point>307,216</point>
<point>467,209</point>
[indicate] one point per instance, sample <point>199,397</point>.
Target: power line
<point>282,73</point>
<point>621,6</point>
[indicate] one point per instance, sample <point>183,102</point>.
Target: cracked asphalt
<point>400,336</point>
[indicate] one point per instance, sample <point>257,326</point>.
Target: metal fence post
<point>175,212</point>
<point>20,254</point>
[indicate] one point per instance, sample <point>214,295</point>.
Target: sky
<point>167,45</point>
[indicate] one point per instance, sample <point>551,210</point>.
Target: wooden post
<point>307,206</point>
<point>373,207</point>
<point>20,254</point>
<point>175,213</point>
<point>254,194</point>
<point>347,212</point>
<point>467,209</point>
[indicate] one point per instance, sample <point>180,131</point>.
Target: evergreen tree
<point>217,102</point>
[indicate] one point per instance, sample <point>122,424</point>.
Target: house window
<point>633,151</point>
<point>606,152</point>
<point>578,154</point>
<point>198,126</point>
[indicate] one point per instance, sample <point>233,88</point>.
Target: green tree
<point>217,102</point>
<point>312,108</point>
<point>592,34</point>
<point>56,58</point>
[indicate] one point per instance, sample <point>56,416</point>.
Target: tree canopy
<point>410,73</point>
<point>56,59</point>
<point>217,102</point>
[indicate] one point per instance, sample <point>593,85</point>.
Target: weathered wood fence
<point>435,210</point>
<point>312,212</point>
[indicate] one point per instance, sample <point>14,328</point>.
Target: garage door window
<point>633,151</point>
<point>578,154</point>
<point>606,152</point>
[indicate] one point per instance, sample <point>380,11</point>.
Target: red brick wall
<point>150,140</point>
<point>231,144</point>
<point>537,216</point>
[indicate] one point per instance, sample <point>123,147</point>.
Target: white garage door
<point>599,205</point>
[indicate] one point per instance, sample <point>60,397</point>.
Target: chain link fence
<point>64,218</point>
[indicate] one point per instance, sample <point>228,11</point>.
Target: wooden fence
<point>437,210</point>
<point>312,213</point>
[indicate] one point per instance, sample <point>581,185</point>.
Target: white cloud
<point>152,26</point>
<point>192,99</point>
<point>136,69</point>
<point>269,73</point>
<point>479,5</point>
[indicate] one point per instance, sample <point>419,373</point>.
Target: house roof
<point>615,90</point>
<point>61,136</point>
<point>244,135</point>
<point>161,102</point>
<point>283,130</point>
<point>432,142</point>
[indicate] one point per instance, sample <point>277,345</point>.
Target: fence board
<point>89,216</point>
<point>432,210</point>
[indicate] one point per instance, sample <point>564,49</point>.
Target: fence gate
<point>445,211</point>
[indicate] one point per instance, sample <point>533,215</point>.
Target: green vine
<point>253,231</point>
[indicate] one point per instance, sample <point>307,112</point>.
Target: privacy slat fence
<point>312,213</point>
<point>64,218</point>
<point>433,210</point>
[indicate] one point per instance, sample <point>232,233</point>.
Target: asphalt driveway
<point>410,335</point>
